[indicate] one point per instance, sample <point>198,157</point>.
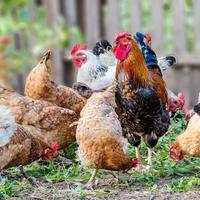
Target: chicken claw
<point>90,184</point>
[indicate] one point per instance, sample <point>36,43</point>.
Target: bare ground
<point>106,189</point>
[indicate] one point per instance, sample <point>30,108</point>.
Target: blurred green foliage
<point>18,22</point>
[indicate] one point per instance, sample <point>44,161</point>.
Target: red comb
<point>148,37</point>
<point>78,47</point>
<point>121,35</point>
<point>54,146</point>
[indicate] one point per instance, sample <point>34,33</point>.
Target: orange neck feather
<point>134,67</point>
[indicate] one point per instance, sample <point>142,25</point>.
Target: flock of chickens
<point>120,97</point>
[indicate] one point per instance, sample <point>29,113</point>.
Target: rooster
<point>141,96</point>
<point>96,68</point>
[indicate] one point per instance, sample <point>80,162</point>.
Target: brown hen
<point>39,129</point>
<point>188,143</point>
<point>99,135</point>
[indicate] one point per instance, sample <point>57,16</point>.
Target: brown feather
<point>189,141</point>
<point>159,85</point>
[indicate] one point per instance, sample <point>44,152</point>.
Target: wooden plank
<point>194,85</point>
<point>19,45</point>
<point>157,25</point>
<point>81,14</point>
<point>185,84</point>
<point>184,78</point>
<point>32,36</point>
<point>169,78</point>
<point>113,19</point>
<point>51,10</point>
<point>183,57</point>
<point>135,17</point>
<point>92,21</point>
<point>187,58</point>
<point>178,25</point>
<point>33,19</point>
<point>69,12</point>
<point>68,9</point>
<point>196,7</point>
<point>52,13</point>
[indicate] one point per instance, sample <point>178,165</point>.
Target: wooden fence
<point>101,19</point>
<point>97,24</point>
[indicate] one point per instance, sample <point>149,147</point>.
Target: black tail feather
<point>171,60</point>
<point>197,108</point>
<point>100,47</point>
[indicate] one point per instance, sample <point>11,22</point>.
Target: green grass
<point>183,184</point>
<point>174,176</point>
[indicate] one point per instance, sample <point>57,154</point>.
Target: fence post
<point>52,13</point>
<point>157,23</point>
<point>69,12</point>
<point>92,21</point>
<point>196,6</point>
<point>135,17</point>
<point>113,19</point>
<point>179,25</point>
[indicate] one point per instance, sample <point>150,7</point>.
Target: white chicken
<point>91,71</point>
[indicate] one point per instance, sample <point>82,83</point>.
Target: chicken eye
<point>80,54</point>
<point>84,59</point>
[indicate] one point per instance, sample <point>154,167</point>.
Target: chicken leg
<point>137,153</point>
<point>91,182</point>
<point>139,167</point>
<point>149,159</point>
<point>30,180</point>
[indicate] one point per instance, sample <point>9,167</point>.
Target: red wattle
<point>77,63</point>
<point>181,99</point>
<point>121,51</point>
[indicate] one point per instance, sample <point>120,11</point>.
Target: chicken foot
<point>137,153</point>
<point>30,180</point>
<point>91,182</point>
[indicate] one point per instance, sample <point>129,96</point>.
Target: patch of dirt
<point>105,190</point>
